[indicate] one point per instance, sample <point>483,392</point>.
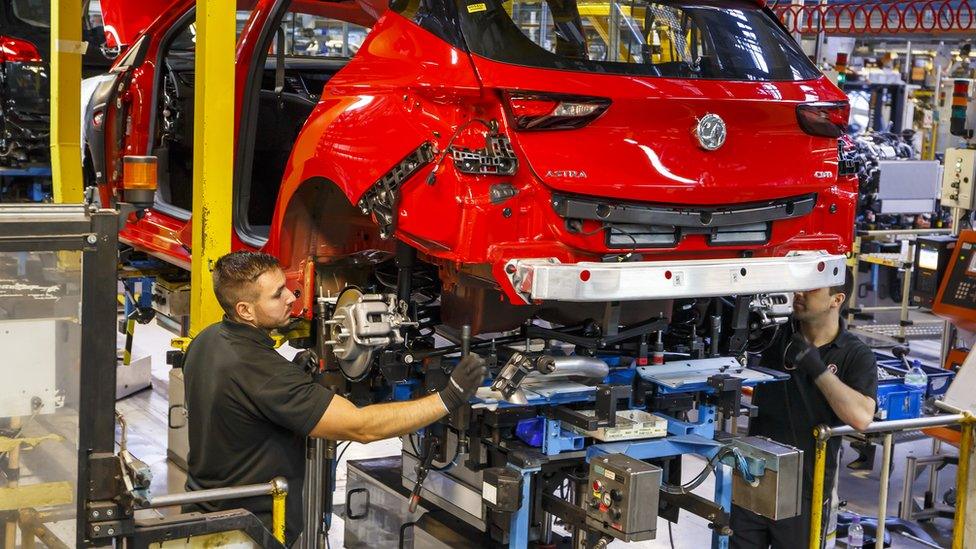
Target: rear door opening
<point>304,52</point>
<point>310,48</point>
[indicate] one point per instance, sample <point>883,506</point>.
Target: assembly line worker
<point>833,380</point>
<point>250,409</point>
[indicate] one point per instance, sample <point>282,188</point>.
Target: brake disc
<point>353,358</point>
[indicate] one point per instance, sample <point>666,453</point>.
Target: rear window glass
<point>308,35</point>
<point>720,39</point>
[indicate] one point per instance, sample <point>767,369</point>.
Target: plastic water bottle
<point>855,534</point>
<point>916,377</point>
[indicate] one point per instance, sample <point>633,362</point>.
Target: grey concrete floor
<point>146,414</point>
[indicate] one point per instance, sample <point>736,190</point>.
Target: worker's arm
<point>851,407</point>
<point>343,420</point>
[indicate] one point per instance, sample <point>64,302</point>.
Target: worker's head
<point>823,303</point>
<point>251,289</point>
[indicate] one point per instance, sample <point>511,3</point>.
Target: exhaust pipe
<point>560,367</point>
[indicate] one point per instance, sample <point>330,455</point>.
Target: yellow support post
<point>213,154</point>
<point>279,493</point>
<point>962,483</point>
<point>819,468</point>
<point>66,51</point>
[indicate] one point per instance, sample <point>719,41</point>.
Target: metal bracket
<point>573,417</point>
<point>607,397</point>
<point>728,394</point>
<point>717,518</point>
<point>740,325</point>
<point>556,439</point>
<point>571,514</point>
<point>105,471</point>
<point>383,197</point>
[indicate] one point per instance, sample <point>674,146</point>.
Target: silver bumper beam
<point>547,279</point>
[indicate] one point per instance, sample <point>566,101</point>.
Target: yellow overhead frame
<point>213,154</point>
<point>66,51</point>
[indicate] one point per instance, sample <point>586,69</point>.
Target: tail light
<point>824,119</point>
<point>547,111</point>
<point>17,50</point>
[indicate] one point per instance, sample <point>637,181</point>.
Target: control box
<point>623,498</point>
<point>932,254</point>
<point>778,493</point>
<point>958,178</point>
<point>957,294</point>
<point>171,298</point>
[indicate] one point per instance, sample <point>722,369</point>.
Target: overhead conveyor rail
<point>880,17</point>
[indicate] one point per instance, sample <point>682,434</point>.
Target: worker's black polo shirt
<point>250,410</point>
<point>789,410</point>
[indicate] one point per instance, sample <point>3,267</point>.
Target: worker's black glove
<point>801,355</point>
<point>307,361</point>
<point>467,376</point>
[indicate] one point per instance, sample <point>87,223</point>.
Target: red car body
<point>125,21</point>
<point>572,199</point>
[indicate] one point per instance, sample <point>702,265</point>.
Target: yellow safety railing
<point>277,489</point>
<point>823,433</point>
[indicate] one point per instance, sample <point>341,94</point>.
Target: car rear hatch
<point>645,125</point>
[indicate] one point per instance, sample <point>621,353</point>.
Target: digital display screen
<point>972,265</point>
<point>928,259</point>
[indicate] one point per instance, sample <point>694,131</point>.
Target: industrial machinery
<point>908,186</point>
<point>50,256</point>
<point>931,257</point>
<point>956,300</point>
<point>69,478</point>
<point>894,187</point>
<point>575,456</point>
<point>579,433</point>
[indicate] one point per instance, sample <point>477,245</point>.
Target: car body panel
<point>380,82</point>
<point>125,20</point>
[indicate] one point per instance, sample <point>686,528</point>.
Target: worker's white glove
<point>467,376</point>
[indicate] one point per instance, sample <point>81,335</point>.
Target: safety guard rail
<point>823,433</point>
<point>277,488</point>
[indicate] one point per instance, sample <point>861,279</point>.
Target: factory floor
<point>146,414</point>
